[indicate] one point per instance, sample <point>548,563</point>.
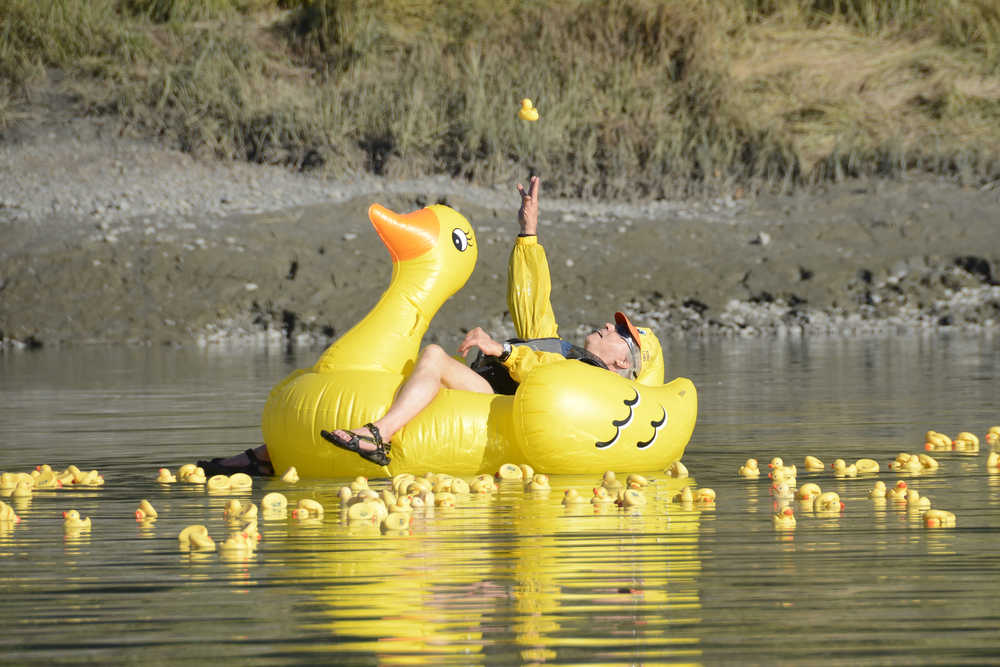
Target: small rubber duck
<point>483,484</point>
<point>217,483</point>
<point>400,482</point>
<point>992,438</point>
<point>842,469</point>
<point>460,486</point>
<point>145,511</point>
<point>527,472</point>
<point>8,481</point>
<point>636,481</point>
<point>196,537</point>
<point>23,489</point>
<point>631,498</point>
<point>993,461</point>
<point>704,495</point>
<point>89,478</point>
<point>72,521</point>
<point>196,476</point>
<point>7,514</point>
<point>783,474</point>
<point>928,463</point>
<point>601,496</point>
<point>539,482</point>
<point>867,466</point>
<point>232,509</point>
<point>444,500</point>
<point>937,442</point>
<point>185,470</point>
<point>877,491</point>
<point>939,519</point>
<point>829,502</point>
<point>164,476</point>
<point>784,520</point>
<point>897,492</point>
<point>572,497</point>
<point>813,464</point>
<point>776,462</point>
<point>394,521</point>
<point>527,112</point>
<point>510,472</point>
<point>237,543</point>
<point>362,511</point>
<point>240,481</point>
<point>610,482</point>
<point>274,502</point>
<point>308,508</point>
<point>906,463</point>
<point>677,470</point>
<point>685,496</point>
<point>966,442</point>
<point>45,478</point>
<point>917,503</point>
<point>401,505</point>
<point>808,491</point>
<point>291,475</point>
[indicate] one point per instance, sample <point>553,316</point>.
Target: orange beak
<point>408,235</point>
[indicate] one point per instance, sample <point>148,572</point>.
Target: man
<point>619,347</point>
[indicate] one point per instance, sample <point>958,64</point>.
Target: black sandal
<point>254,466</point>
<point>379,456</point>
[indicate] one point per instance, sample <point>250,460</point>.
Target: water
<point>512,579</point>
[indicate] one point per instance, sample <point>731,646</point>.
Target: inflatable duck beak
<point>406,236</point>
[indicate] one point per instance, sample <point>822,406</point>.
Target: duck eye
<point>460,239</point>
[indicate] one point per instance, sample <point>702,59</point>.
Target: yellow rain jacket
<point>529,288</point>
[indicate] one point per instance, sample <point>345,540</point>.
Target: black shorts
<point>494,372</point>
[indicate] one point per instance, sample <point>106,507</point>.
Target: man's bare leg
<point>435,369</point>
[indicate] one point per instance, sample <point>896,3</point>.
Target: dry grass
<point>639,98</point>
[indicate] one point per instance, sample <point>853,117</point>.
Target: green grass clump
<point>637,98</point>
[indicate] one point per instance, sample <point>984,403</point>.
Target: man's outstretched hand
<point>527,216</point>
<point>479,338</point>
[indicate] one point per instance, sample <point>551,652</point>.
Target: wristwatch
<point>506,352</point>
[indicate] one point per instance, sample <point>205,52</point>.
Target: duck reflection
<point>572,583</point>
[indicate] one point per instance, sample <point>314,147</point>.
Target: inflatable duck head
<point>434,251</point>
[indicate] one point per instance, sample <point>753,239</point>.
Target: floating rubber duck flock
<point>391,507</point>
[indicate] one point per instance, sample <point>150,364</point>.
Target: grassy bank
<point>644,98</point>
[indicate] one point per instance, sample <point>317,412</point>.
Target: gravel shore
<point>113,239</point>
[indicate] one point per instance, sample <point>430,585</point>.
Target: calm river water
<point>512,578</point>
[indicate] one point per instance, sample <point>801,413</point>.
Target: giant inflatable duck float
<point>566,417</point>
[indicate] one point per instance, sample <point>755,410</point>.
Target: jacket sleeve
<point>523,360</point>
<point>528,290</point>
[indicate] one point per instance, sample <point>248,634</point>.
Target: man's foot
<point>253,462</point>
<point>365,441</point>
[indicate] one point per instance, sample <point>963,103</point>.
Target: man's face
<point>608,345</point>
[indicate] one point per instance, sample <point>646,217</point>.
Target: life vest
<point>494,372</point>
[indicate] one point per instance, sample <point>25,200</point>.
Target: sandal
<point>254,466</point>
<point>379,456</point>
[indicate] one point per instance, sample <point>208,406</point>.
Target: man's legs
<point>435,369</point>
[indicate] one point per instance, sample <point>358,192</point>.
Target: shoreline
<point>113,239</point>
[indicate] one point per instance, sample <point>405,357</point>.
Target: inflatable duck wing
<point>568,417</point>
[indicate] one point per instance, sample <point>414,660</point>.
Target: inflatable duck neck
<point>434,251</point>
